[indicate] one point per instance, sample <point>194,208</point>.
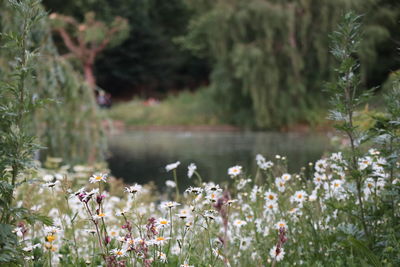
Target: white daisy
<point>191,169</point>
<point>234,171</point>
<point>277,253</point>
<point>100,177</point>
<point>172,166</point>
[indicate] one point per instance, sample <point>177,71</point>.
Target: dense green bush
<point>270,58</point>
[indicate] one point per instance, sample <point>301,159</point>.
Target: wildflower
<point>118,252</point>
<point>30,248</point>
<point>281,224</point>
<point>299,196</point>
<point>280,184</point>
<point>234,171</point>
<point>270,196</point>
<point>336,156</point>
<point>364,163</point>
<point>271,207</point>
<point>172,166</point>
<point>161,240</point>
<point>277,253</point>
<point>286,177</point>
<point>194,190</point>
<point>320,165</point>
<point>262,163</point>
<point>136,188</point>
<point>183,214</point>
<point>51,230</point>
<point>218,253</point>
<point>161,223</point>
<point>162,257</point>
<point>50,238</point>
<point>213,197</point>
<point>100,177</point>
<point>245,243</point>
<point>191,169</point>
<point>170,183</point>
<point>169,204</point>
<point>373,152</point>
<point>210,214</point>
<point>260,159</point>
<point>211,187</point>
<point>99,216</point>
<point>239,223</point>
<point>48,178</point>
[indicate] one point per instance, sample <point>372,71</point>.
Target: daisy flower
<point>172,166</point>
<point>169,204</point>
<point>280,184</point>
<point>183,214</point>
<point>161,223</point>
<point>136,188</point>
<point>363,163</point>
<point>239,223</point>
<point>299,196</point>
<point>100,177</point>
<point>321,165</point>
<point>286,177</point>
<point>118,252</point>
<point>161,240</point>
<point>191,169</point>
<point>234,171</point>
<point>270,196</point>
<point>277,253</point>
<point>281,224</point>
<point>170,183</point>
<point>271,207</point>
<point>99,216</point>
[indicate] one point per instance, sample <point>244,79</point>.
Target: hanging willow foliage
<point>70,125</point>
<point>269,57</point>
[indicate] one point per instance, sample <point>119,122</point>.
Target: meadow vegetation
<point>342,210</point>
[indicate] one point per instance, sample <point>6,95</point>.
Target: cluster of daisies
<point>249,223</point>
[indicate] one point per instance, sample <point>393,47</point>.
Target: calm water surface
<point>141,156</point>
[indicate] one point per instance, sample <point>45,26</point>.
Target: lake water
<point>141,156</point>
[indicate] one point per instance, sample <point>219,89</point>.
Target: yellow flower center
<point>51,238</point>
<point>164,222</point>
<point>102,215</point>
<point>119,253</point>
<point>271,197</point>
<point>98,178</point>
<point>160,238</point>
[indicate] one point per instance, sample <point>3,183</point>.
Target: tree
<point>271,58</point>
<point>89,38</point>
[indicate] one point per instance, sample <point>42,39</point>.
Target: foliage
<point>148,62</point>
<point>187,108</point>
<point>89,38</point>
<point>69,126</point>
<point>17,144</point>
<point>270,58</point>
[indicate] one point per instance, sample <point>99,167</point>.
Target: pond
<point>141,156</point>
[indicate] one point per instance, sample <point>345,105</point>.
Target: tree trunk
<point>89,76</point>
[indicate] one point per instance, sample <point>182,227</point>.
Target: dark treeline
<point>266,61</point>
<point>148,62</point>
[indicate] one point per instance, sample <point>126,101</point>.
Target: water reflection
<point>141,156</point>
